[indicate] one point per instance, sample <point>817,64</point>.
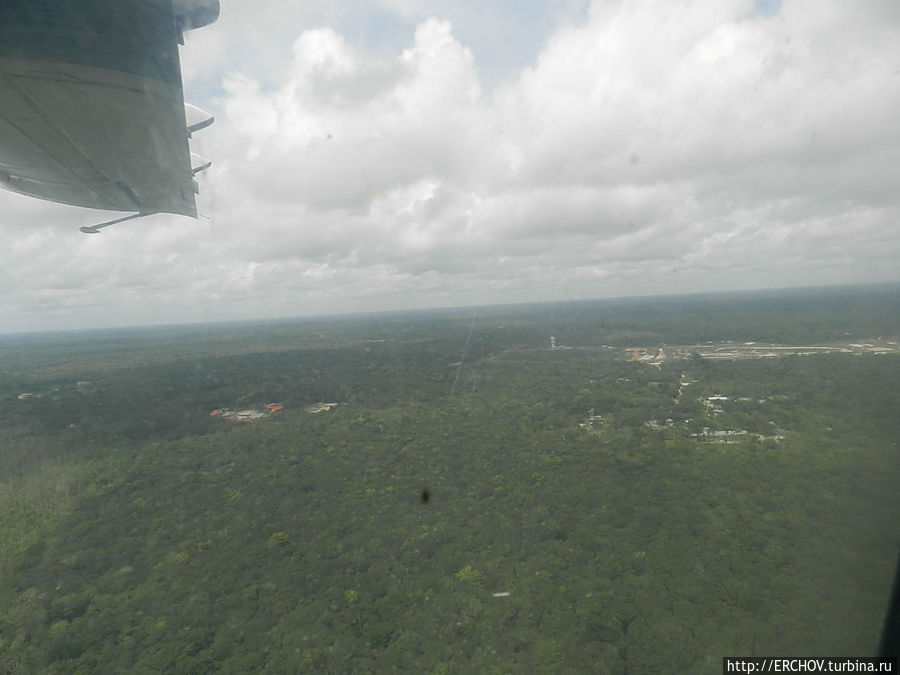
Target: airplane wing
<point>91,104</point>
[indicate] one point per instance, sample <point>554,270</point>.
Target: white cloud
<point>647,148</point>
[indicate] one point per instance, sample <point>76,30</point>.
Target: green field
<point>585,512</point>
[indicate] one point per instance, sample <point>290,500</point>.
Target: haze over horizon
<point>839,292</point>
<point>414,155</point>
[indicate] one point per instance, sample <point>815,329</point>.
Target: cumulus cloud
<point>644,148</point>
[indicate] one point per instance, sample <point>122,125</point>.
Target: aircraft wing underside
<point>91,104</point>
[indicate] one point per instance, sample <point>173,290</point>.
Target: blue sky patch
<point>766,7</point>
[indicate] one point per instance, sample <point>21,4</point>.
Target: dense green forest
<point>476,502</point>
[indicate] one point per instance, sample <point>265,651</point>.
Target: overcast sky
<point>399,154</point>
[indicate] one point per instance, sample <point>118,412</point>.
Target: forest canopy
<point>672,481</point>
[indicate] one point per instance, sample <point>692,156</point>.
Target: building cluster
<point>592,420</point>
<point>713,404</point>
<point>245,415</point>
<point>251,414</point>
<point>655,356</point>
<point>554,346</point>
<point>321,407</point>
<point>733,435</point>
